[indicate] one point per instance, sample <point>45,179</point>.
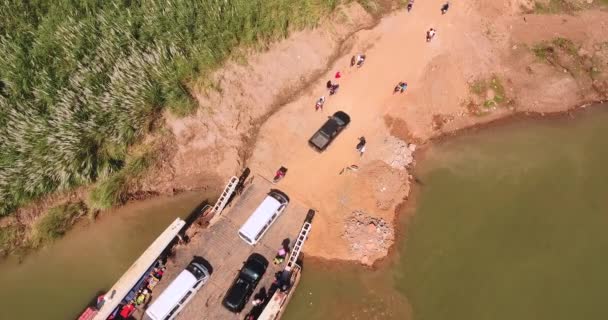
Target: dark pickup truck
<point>245,282</point>
<point>326,134</point>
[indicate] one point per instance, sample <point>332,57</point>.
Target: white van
<point>263,217</point>
<point>171,301</point>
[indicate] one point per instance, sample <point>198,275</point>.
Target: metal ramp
<point>295,253</point>
<point>223,199</point>
<point>279,300</point>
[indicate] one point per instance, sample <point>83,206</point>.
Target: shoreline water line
<point>434,256</point>
<point>405,204</point>
<point>87,260</point>
<point>404,212</point>
<point>408,205</point>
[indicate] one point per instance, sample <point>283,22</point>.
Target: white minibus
<point>171,301</point>
<point>263,217</point>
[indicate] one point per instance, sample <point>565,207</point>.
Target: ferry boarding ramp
<point>220,245</point>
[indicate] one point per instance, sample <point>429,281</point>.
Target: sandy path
<point>396,50</point>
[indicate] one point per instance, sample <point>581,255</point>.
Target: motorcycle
<point>279,174</point>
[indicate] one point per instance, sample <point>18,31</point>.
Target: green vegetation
<point>564,54</point>
<point>479,87</point>
<point>499,90</point>
<point>55,223</point>
<point>555,6</point>
<point>9,237</point>
<point>565,6</point>
<point>547,49</point>
<point>482,87</point>
<point>80,81</point>
<point>369,5</point>
<point>113,189</point>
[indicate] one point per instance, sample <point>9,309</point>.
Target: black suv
<point>324,136</point>
<point>245,282</point>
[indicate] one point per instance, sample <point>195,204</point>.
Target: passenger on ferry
<point>280,256</point>
<point>158,273</point>
<point>127,311</point>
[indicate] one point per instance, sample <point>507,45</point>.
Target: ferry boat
<point>289,278</point>
<point>125,289</point>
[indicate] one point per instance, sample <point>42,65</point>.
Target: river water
<point>510,222</point>
<point>57,282</point>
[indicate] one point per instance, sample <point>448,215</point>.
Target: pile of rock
<point>397,153</point>
<point>369,238</point>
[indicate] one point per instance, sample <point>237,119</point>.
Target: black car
<point>245,282</point>
<point>326,134</point>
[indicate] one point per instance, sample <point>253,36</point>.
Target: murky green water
<point>57,283</point>
<point>511,223</point>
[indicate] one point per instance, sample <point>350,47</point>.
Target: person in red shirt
<point>127,310</point>
<point>159,273</point>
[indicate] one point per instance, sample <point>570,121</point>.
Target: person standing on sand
<point>361,145</point>
<point>360,60</point>
<point>357,60</point>
<point>320,103</point>
<point>430,34</point>
<point>445,7</point>
<point>333,89</point>
<point>401,87</point>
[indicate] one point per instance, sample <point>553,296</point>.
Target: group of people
<point>444,7</point>
<point>356,60</point>
<point>400,87</point>
<point>282,281</point>
<point>143,295</point>
<point>332,87</point>
<point>430,34</point>
<point>359,59</point>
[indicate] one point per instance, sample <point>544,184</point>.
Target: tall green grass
<point>9,238</point>
<point>55,223</point>
<point>80,81</point>
<point>113,189</point>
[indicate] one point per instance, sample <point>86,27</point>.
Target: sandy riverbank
<point>490,60</point>
<point>454,82</point>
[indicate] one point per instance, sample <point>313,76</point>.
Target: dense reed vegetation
<point>55,223</point>
<point>80,80</point>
